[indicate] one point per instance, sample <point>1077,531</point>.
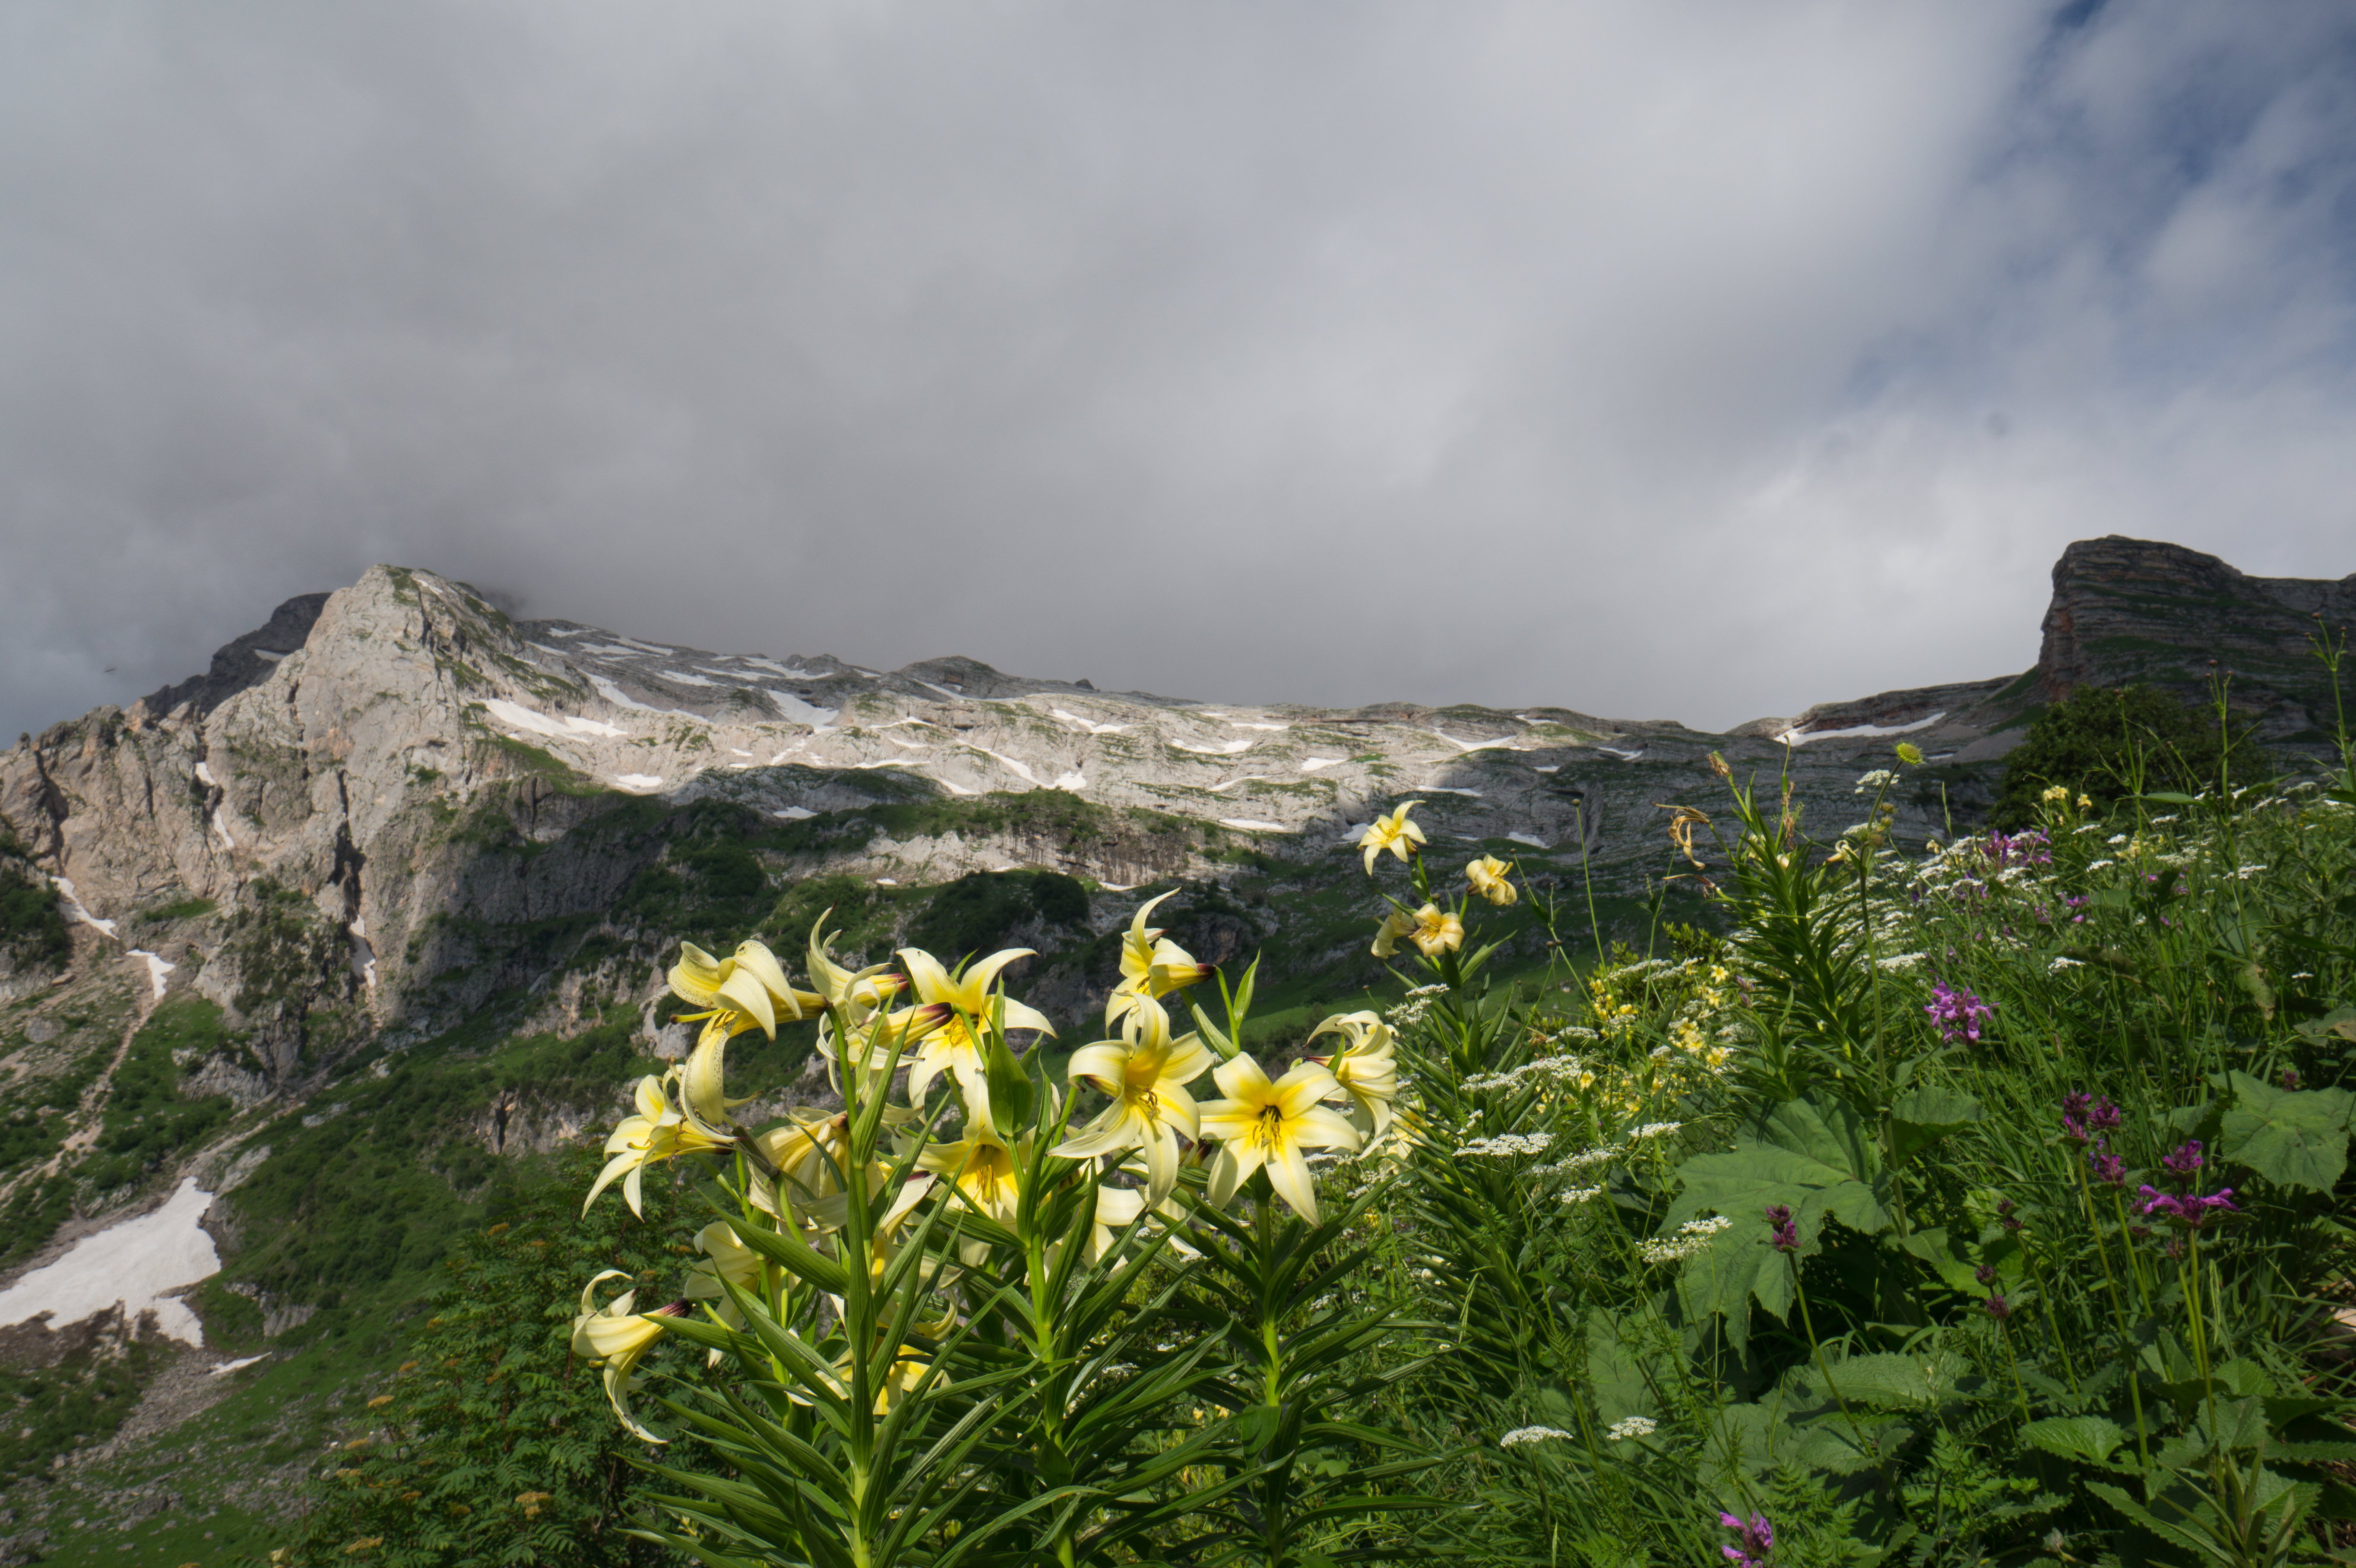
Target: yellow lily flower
<point>725,1258</point>
<point>746,990</point>
<point>1487,877</point>
<point>660,1131</point>
<point>1436,931</point>
<point>1117,1208</point>
<point>620,1338</point>
<point>1151,965</point>
<point>1264,1125</point>
<point>1146,1072</point>
<point>985,1168</point>
<point>1365,1069</point>
<point>854,993</point>
<point>1396,924</point>
<point>1394,832</point>
<point>881,1035</point>
<point>955,1048</point>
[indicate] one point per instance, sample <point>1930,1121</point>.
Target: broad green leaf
<point>1615,1371</point>
<point>2091,1438</point>
<point>1890,1381</point>
<point>1814,1157</point>
<point>2295,1137</point>
<point>1925,1116</point>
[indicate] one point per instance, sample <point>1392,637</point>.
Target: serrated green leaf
<point>2091,1438</point>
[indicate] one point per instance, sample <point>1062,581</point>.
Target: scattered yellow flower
<point>746,990</point>
<point>987,1170</point>
<point>854,993</point>
<point>1437,931</point>
<point>660,1131</point>
<point>1396,924</point>
<point>1146,1072</point>
<point>956,1047</point>
<point>1394,832</point>
<point>619,1338</point>
<point>1268,1126</point>
<point>1365,1070</point>
<point>1487,877</point>
<point>1151,965</point>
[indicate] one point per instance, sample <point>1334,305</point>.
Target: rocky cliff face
<point>2132,611</point>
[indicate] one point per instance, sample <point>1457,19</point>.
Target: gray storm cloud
<point>1661,359</point>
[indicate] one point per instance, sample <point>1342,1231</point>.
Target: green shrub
<point>492,1445</point>
<point>972,913</point>
<point>32,925</point>
<point>2109,743</point>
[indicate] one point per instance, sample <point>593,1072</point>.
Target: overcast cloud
<point>1661,360</point>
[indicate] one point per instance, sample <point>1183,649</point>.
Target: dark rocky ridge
<point>2128,611</point>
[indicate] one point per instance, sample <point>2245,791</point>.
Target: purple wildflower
<point>1998,1307</point>
<point>2184,1162</point>
<point>1957,1012</point>
<point>1985,1273</point>
<point>1754,1539</point>
<point>1785,1236</point>
<point>2004,1211</point>
<point>2290,1078</point>
<point>2190,1211</point>
<point>2106,1167</point>
<point>2104,1118</point>
<point>2075,1107</point>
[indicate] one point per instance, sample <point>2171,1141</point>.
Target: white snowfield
<point>134,1262</point>
<point>523,718</point>
<point>72,903</point>
<point>156,967</point>
<point>1857,731</point>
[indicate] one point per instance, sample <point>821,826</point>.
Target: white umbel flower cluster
<point>1521,1435</point>
<point>1508,1146</point>
<point>1634,1426</point>
<point>1691,1239</point>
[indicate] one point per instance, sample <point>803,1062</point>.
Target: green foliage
<point>1974,1337</point>
<point>49,1411</point>
<point>972,913</point>
<point>2111,743</point>
<point>147,1121</point>
<point>178,909</point>
<point>32,926</point>
<point>494,1445</point>
<point>280,946</point>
